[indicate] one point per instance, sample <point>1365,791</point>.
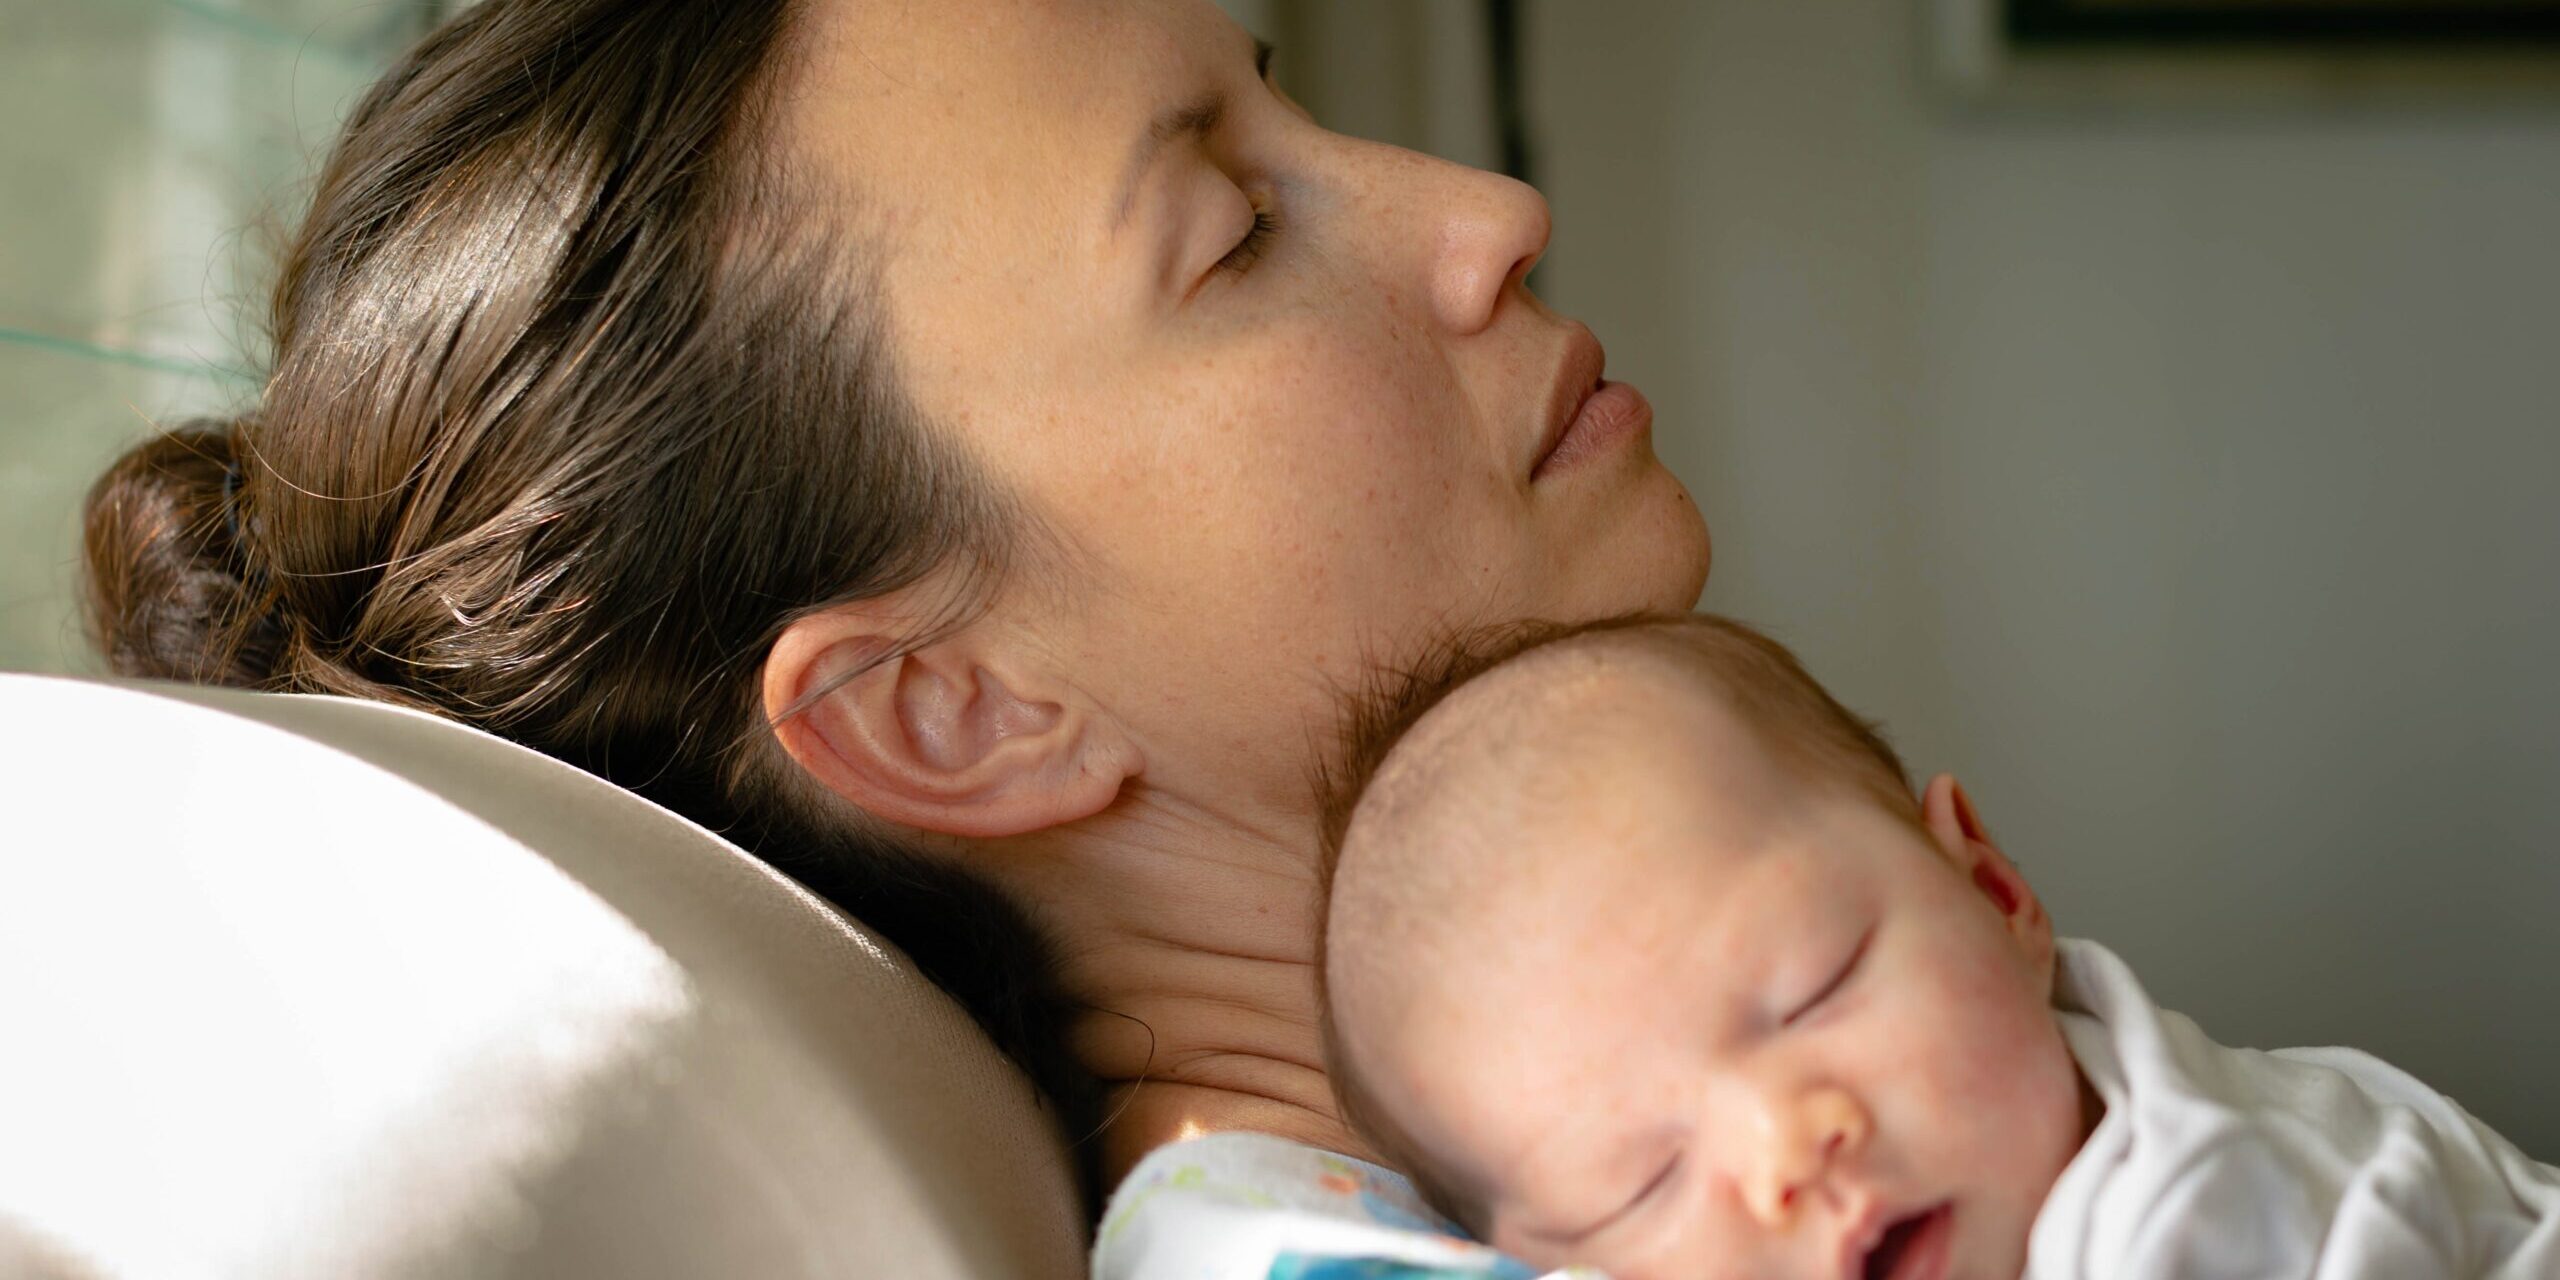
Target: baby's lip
<point>1866,1230</point>
<point>1859,1236</point>
<point>1877,1227</point>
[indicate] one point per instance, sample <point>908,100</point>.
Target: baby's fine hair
<point>1805,730</point>
<point>1809,732</point>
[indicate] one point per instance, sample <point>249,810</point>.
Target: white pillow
<point>307,986</point>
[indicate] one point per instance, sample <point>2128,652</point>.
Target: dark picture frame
<point>2341,24</point>
<point>2180,54</point>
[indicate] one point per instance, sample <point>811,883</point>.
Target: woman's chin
<point>1652,561</point>
<point>1673,545</point>
<point>1701,556</point>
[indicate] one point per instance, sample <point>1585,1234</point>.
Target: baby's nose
<point>1803,1137</point>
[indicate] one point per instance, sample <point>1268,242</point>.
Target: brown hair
<point>574,406</point>
<point>1805,728</point>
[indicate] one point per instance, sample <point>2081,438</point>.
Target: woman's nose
<point>1484,232</point>
<point>1800,1140</point>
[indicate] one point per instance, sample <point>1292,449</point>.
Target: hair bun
<point>167,576</point>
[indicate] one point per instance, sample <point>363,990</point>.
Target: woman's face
<point>1281,393</point>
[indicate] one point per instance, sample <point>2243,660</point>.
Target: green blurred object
<point>160,148</point>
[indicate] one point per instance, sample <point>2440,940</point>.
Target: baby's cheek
<point>1999,1050</point>
<point>2022,1099</point>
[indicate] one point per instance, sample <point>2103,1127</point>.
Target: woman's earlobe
<point>942,738</point>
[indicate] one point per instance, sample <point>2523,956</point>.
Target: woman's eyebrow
<point>1194,119</point>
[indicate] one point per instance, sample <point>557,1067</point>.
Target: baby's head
<point>1640,953</point>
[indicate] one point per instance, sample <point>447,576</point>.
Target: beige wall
<point>2188,481</point>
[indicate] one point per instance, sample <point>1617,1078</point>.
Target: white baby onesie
<point>2325,1164</point>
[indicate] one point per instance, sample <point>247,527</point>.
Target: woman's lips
<point>1613,413</point>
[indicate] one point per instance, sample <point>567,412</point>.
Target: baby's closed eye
<point>1839,975</point>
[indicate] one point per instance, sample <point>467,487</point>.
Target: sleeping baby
<point>1642,955</point>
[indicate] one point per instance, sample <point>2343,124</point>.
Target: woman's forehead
<point>966,121</point>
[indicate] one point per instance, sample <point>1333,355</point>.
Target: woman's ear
<point>964,736</point>
<point>1959,834</point>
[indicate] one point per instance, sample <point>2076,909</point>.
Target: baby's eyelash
<point>1839,977</point>
<point>1257,238</point>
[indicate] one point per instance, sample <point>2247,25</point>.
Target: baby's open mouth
<point>1913,1248</point>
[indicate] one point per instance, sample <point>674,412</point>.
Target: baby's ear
<point>1960,835</point>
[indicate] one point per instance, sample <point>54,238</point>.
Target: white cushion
<point>313,987</point>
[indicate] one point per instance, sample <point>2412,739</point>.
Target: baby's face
<point>1709,1020</point>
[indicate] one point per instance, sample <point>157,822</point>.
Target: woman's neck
<point>1189,937</point>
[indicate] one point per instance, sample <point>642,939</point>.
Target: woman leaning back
<point>957,450</point>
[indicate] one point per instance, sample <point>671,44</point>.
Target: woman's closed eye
<point>1257,238</point>
<point>1830,986</point>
